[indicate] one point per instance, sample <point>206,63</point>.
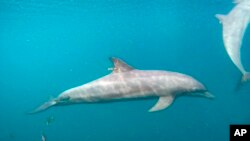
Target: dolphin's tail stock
<point>45,106</point>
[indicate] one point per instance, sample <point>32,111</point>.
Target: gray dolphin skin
<point>125,82</point>
<point>234,26</point>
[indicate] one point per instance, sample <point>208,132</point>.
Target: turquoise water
<point>49,46</point>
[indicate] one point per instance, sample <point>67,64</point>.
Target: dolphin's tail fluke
<point>246,77</point>
<point>43,107</point>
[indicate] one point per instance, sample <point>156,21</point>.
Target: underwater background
<point>48,46</point>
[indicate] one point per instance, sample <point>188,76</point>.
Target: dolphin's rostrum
<point>125,82</point>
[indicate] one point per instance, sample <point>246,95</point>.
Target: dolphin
<point>126,82</point>
<point>234,26</point>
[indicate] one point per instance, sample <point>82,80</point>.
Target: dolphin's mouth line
<point>205,94</point>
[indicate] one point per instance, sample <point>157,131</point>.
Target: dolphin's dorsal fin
<point>162,103</point>
<point>120,66</point>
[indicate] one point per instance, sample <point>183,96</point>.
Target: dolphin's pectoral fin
<point>220,17</point>
<point>162,103</point>
<point>120,66</point>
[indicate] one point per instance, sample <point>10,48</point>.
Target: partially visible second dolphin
<point>234,26</point>
<point>126,82</point>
